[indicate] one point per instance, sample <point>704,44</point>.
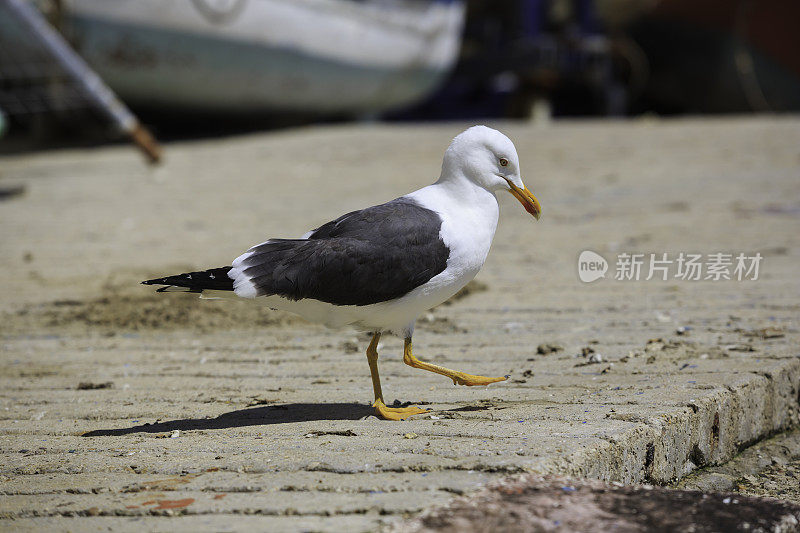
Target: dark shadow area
<point>532,503</point>
<point>7,193</point>
<point>256,416</point>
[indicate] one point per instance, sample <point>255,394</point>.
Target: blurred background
<point>82,72</point>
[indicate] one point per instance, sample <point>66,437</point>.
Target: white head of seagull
<point>487,158</point>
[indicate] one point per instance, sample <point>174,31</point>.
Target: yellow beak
<point>527,199</point>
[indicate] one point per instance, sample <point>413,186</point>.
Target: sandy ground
<point>133,410</point>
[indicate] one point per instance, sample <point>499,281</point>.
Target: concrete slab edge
<point>708,431</point>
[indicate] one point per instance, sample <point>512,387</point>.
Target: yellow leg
<point>459,378</point>
<point>389,413</point>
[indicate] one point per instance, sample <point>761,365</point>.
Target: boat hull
<point>307,56</point>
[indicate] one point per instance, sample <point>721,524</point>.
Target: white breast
<point>469,220</point>
<point>469,236</point>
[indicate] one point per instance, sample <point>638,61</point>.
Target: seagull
<point>379,268</point>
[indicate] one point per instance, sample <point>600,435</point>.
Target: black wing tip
<point>160,281</point>
<point>157,281</point>
<point>213,278</point>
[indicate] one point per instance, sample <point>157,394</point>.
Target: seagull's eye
<point>503,162</point>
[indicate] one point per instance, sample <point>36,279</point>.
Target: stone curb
<point>709,431</point>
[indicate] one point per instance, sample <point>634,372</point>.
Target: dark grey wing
<point>364,257</point>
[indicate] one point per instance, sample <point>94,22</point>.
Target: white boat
<point>261,56</point>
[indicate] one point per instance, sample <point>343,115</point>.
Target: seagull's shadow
<point>255,416</point>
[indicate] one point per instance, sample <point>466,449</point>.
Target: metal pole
<point>101,95</point>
